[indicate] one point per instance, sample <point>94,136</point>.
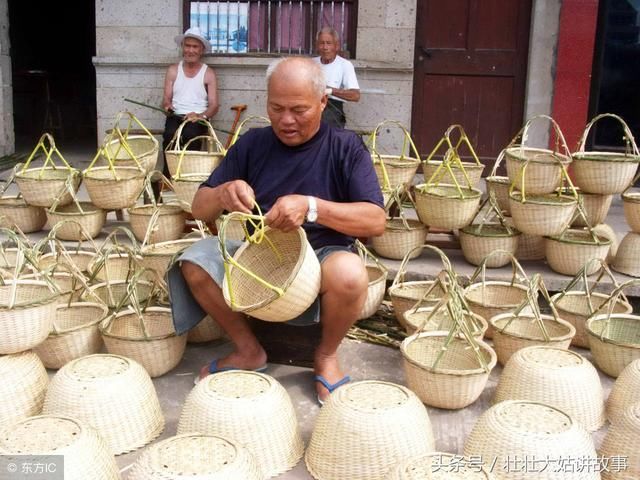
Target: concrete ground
<point>363,361</point>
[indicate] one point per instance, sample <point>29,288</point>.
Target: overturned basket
<point>108,392</point>
<point>628,255</point>
<point>625,392</point>
<point>254,410</point>
<point>605,172</point>
<point>198,456</point>
<point>623,440</point>
<point>394,170</point>
<point>388,420</point>
<point>85,454</point>
<point>24,383</point>
<point>555,377</point>
<point>274,276</point>
<point>180,158</point>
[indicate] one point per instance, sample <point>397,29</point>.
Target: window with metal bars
<point>272,27</point>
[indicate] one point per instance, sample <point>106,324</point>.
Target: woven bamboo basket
<point>530,247</point>
<point>478,241</point>
<point>568,252</point>
<point>27,310</point>
<point>596,207</point>
<point>113,188</point>
<point>168,226</point>
<point>41,186</point>
<point>158,256</point>
<point>439,465</point>
<point>625,392</point>
<point>185,186</point>
<point>527,430</point>
<point>194,161</point>
<point>85,454</point>
<point>196,456</point>
<point>405,295</point>
<point>498,185</point>
<point>108,392</point>
<point>69,288</point>
<point>254,410</point>
<point>388,420</point>
<point>133,150</point>
<point>147,336</point>
<point>614,340</point>
<point>446,374</point>
<point>114,266</point>
<point>556,377</point>
<point>460,173</point>
<point>418,319</point>
<point>86,214</point>
<point>15,212</point>
<point>394,170</point>
<point>79,257</point>
<point>605,172</point>
<point>274,279</point>
<point>544,167</point>
<point>399,237</point>
<point>631,207</point>
<point>512,332</point>
<point>623,441</point>
<point>628,255</point>
<point>375,291</point>
<point>24,383</point>
<point>576,307</point>
<point>206,331</point>
<point>74,334</point>
<point>445,206</point>
<point>545,215</point>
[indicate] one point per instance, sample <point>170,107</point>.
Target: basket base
<point>287,344</point>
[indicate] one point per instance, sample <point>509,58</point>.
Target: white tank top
<point>189,94</point>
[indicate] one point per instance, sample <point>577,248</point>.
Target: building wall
<point>135,44</point>
<point>7,138</point>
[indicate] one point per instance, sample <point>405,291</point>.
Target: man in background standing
<point>342,83</point>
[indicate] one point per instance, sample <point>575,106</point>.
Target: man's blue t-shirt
<point>333,165</point>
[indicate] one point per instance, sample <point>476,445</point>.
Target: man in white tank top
<point>190,91</point>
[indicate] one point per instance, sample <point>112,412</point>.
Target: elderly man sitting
<point>302,172</point>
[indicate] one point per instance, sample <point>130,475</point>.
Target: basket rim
<point>563,159</point>
<point>53,296</point>
<point>596,156</point>
<point>543,199</point>
<point>493,357</point>
<point>86,174</point>
<point>484,324</point>
<point>90,323</point>
<point>413,225</point>
<point>579,293</point>
<point>392,289</point>
<point>151,138</point>
<point>614,316</point>
<point>604,241</point>
<point>164,208</point>
<point>148,250</point>
<point>631,196</point>
<point>63,168</point>
<point>424,189</point>
<point>564,323</point>
<point>489,283</point>
<point>395,160</point>
<point>15,202</point>
<point>455,166</point>
<point>105,324</point>
<point>93,210</point>
<point>470,230</point>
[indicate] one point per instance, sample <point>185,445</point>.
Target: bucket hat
<point>194,32</point>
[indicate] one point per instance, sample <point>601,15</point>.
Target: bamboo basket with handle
<point>41,186</point>
<point>129,150</point>
<point>605,172</point>
<point>249,121</point>
<point>199,162</point>
<point>407,294</point>
<point>185,185</point>
<point>516,330</point>
<point>394,170</point>
<point>377,287</point>
<point>15,211</point>
<point>443,205</point>
<point>78,255</point>
<point>577,305</point>
<point>614,338</point>
<point>499,185</point>
<point>273,276</point>
<point>596,208</point>
<point>545,167</point>
<point>401,234</point>
<point>463,172</point>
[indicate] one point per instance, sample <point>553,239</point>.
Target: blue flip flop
<point>330,386</point>
<point>213,368</point>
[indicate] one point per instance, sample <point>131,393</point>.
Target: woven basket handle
<point>407,143</point>
<point>629,140</point>
<point>518,272</point>
<point>496,164</point>
<point>365,254</point>
<point>564,177</point>
<point>185,149</point>
<point>24,256</point>
<point>103,152</point>
<point>130,122</point>
<point>446,263</point>
<point>523,135</point>
<point>101,261</point>
<point>11,179</point>
<point>242,124</point>
<point>450,157</point>
<point>398,195</point>
<point>70,188</point>
<point>48,151</point>
<point>615,295</point>
<point>257,237</point>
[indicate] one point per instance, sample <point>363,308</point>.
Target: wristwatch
<point>312,213</point>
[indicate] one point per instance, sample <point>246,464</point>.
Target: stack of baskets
<point>627,259</point>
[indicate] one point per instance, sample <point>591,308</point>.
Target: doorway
<point>470,69</point>
<point>54,81</point>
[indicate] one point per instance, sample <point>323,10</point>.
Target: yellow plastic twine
<point>257,222</point>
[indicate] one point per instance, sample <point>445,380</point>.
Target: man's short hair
<point>331,31</point>
<point>311,69</point>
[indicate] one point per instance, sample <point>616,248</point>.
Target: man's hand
<point>288,212</point>
<point>237,196</point>
<point>194,117</point>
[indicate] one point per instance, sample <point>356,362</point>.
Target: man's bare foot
<point>327,367</point>
<point>253,360</point>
